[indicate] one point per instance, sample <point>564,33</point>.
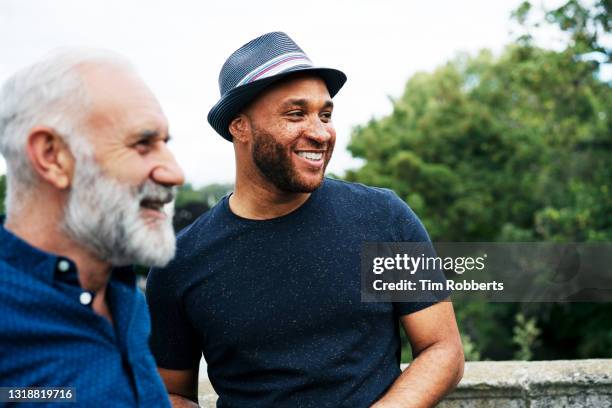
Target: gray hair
<point>49,93</point>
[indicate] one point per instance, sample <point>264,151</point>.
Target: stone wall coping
<point>515,383</point>
<point>520,373</point>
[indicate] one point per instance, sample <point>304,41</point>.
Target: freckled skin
<point>281,128</point>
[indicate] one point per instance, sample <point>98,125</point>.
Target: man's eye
<point>326,116</point>
<point>143,142</point>
<point>143,145</point>
<point>296,113</point>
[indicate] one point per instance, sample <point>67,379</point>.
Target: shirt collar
<point>124,274</point>
<point>23,256</point>
<point>44,265</point>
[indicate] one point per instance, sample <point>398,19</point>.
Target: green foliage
<point>210,194</point>
<point>501,147</point>
<point>406,354</point>
<point>586,26</point>
<point>522,12</point>
<point>470,350</point>
<point>525,337</point>
<point>515,147</point>
<point>190,203</point>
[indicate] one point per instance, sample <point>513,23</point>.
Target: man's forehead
<point>117,93</point>
<point>105,82</point>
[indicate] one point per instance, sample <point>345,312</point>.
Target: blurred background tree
<point>191,203</point>
<point>516,147</point>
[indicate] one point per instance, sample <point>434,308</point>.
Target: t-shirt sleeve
<point>174,341</point>
<point>409,228</point>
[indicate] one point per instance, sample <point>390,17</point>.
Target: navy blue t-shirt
<point>275,305</point>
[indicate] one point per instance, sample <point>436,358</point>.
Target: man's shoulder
<point>358,192</point>
<point>378,206</point>
<point>350,187</point>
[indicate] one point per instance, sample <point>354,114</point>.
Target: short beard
<point>104,216</point>
<point>274,162</point>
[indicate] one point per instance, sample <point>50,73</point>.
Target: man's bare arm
<point>182,386</point>
<point>438,359</point>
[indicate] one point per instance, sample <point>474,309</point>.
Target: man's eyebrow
<point>148,134</point>
<point>295,102</point>
<point>304,103</point>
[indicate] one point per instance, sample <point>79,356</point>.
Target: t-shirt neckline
<point>313,197</point>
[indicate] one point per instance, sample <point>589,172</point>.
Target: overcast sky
<point>179,47</point>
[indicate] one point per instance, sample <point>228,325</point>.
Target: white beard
<point>104,216</point>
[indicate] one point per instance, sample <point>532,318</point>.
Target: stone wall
<point>518,384</point>
<point>536,384</point>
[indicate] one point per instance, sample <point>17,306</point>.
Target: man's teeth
<point>311,155</point>
<point>153,205</point>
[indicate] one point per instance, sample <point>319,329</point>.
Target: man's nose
<point>319,131</point>
<point>168,172</point>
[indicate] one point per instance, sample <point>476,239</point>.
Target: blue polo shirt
<point>51,337</point>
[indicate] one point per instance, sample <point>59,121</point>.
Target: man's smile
<point>152,208</point>
<point>152,204</point>
<point>313,158</point>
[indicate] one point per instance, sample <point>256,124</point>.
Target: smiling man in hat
<point>267,283</point>
<point>88,173</point>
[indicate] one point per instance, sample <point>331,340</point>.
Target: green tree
<point>588,28</point>
<point>484,148</point>
<point>209,194</point>
<point>515,147</point>
<point>525,336</point>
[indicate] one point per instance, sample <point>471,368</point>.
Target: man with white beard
<point>89,176</point>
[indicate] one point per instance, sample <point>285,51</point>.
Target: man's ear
<point>50,157</point>
<point>240,128</point>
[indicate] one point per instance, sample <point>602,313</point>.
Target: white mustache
<point>152,191</point>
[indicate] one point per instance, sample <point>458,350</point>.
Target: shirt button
<point>85,298</point>
<point>63,265</point>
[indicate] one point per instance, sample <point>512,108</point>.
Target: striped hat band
<point>276,66</point>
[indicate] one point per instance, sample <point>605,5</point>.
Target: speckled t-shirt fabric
<point>275,305</point>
